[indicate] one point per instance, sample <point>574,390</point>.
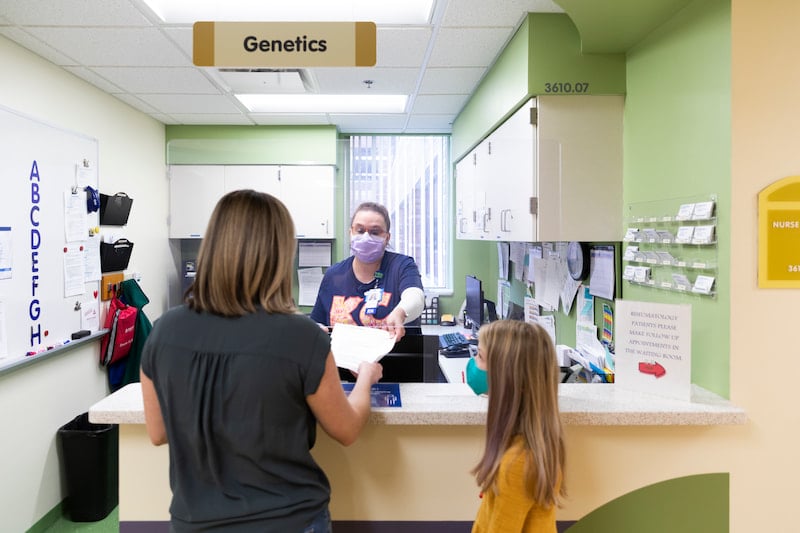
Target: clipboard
<point>115,257</point>
<point>114,210</point>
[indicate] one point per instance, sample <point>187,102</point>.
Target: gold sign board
<point>284,44</point>
<point>779,234</point>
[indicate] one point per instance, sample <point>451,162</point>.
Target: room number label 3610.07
<point>565,87</point>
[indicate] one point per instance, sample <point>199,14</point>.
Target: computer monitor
<point>475,303</point>
<point>473,306</point>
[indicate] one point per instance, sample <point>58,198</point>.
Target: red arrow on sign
<point>652,368</point>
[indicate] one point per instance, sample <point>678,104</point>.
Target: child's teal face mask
<point>476,378</point>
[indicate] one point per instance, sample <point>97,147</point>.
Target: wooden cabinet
<point>551,172</point>
<point>307,192</point>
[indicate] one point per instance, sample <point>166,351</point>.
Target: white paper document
<point>351,345</point>
<point>314,254</point>
<point>76,225</point>
<point>74,268</point>
<point>6,254</point>
<point>601,275</point>
<point>90,315</point>
<point>308,282</point>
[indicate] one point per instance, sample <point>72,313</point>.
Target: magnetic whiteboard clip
<point>77,305</point>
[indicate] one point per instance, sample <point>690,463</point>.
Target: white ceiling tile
<point>507,13</point>
<point>136,103</point>
<point>290,119</point>
<point>172,104</point>
<point>440,123</point>
<point>211,118</point>
<point>351,81</point>
<point>114,47</point>
<point>154,80</point>
<point>183,36</point>
<point>472,47</point>
<point>164,119</point>
<point>451,80</point>
<point>438,104</point>
<point>401,47</point>
<point>374,123</point>
<point>73,13</point>
<point>99,82</point>
<point>36,46</point>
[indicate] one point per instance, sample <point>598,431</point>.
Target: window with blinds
<point>410,176</point>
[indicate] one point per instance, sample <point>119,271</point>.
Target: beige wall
<point>764,323</point>
<point>36,400</point>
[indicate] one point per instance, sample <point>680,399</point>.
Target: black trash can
<point>90,454</point>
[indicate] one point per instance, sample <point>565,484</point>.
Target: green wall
<point>545,50</point>
<point>687,504</point>
<point>251,145</point>
<point>678,145</point>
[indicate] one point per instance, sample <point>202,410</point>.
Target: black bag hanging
<point>114,257</point>
<point>114,210</point>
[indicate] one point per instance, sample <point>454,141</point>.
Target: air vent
<point>265,80</point>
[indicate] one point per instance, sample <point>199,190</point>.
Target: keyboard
<point>450,341</point>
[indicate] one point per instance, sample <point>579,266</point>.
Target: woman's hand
<point>395,323</point>
<point>369,372</point>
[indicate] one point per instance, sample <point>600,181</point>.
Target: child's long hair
<point>523,377</point>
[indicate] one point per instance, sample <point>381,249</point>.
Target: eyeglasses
<point>374,231</point>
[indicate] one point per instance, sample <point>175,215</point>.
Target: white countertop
<point>455,404</point>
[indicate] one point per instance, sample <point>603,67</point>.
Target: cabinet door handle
<point>505,214</point>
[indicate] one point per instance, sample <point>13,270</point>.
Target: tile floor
<point>109,524</point>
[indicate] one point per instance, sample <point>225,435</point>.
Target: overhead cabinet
<point>551,172</point>
<point>307,191</point>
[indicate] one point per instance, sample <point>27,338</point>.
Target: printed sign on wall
<point>779,234</point>
<point>654,348</point>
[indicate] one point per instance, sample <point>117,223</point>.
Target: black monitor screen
<point>474,301</point>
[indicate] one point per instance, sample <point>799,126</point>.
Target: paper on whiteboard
<point>352,345</point>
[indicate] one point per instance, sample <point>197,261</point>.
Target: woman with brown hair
<point>236,381</point>
<point>521,473</point>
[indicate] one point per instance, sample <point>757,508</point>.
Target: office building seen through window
<point>410,176</point>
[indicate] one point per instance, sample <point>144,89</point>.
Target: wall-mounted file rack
<point>672,245</point>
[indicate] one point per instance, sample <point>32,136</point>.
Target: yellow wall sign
<point>779,234</point>
<point>284,44</point>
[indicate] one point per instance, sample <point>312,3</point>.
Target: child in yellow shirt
<point>522,468</point>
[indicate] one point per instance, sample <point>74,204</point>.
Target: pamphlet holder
<point>114,210</point>
<point>115,257</point>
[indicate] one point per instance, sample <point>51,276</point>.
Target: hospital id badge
<point>373,298</point>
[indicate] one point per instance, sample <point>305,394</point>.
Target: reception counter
<point>411,463</point>
<point>454,404</point>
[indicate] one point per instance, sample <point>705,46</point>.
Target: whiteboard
<point>49,265</point>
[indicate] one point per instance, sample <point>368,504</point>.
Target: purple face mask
<point>367,248</point>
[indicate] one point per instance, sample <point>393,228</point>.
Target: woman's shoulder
<point>172,314</point>
<point>297,322</point>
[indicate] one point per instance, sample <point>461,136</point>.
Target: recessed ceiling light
<point>379,12</point>
<point>324,103</point>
